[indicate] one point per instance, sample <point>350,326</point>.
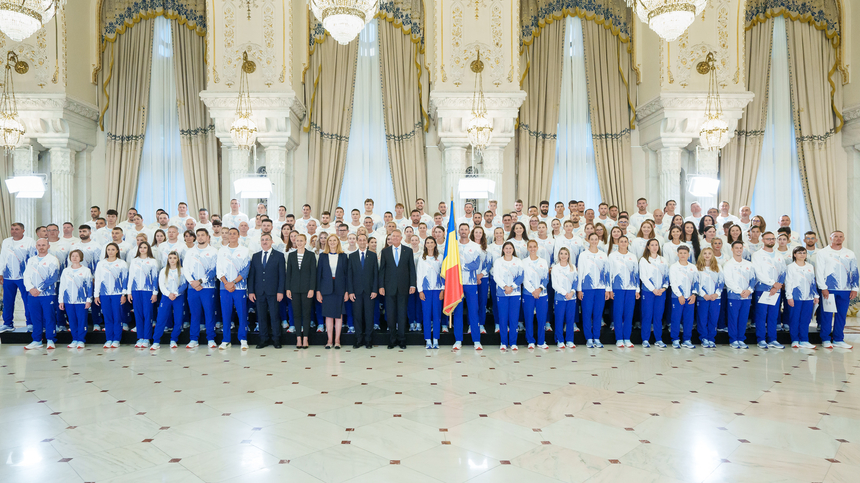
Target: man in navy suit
<point>362,284</point>
<point>396,282</point>
<point>266,286</point>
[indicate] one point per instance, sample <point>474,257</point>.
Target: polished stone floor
<point>429,416</point>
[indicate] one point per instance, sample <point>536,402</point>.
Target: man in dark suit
<point>362,284</point>
<point>301,287</point>
<point>266,286</point>
<point>396,282</point>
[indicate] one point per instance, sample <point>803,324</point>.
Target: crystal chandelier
<point>11,129</point>
<point>667,18</point>
<point>243,131</point>
<point>344,19</point>
<point>480,128</point>
<point>714,133</point>
<point>22,18</point>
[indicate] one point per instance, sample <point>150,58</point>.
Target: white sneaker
<point>457,345</point>
<point>224,345</point>
<point>428,344</point>
<point>6,328</point>
<point>52,346</point>
<point>548,327</point>
<point>320,328</point>
<point>795,344</point>
<point>589,344</point>
<point>560,345</point>
<point>478,346</point>
<point>827,344</point>
<point>244,344</point>
<point>291,330</point>
<point>212,344</point>
<point>33,345</point>
<point>444,328</point>
<point>503,348</point>
<point>806,345</point>
<point>114,344</point>
<point>80,345</point>
<point>217,325</point>
<point>137,344</point>
<point>192,345</point>
<point>29,327</point>
<point>497,329</point>
<point>285,324</point>
<point>107,345</point>
<point>628,343</point>
<point>155,347</point>
<point>597,344</point>
<point>543,346</point>
<point>775,345</point>
<point>842,345</point>
<point>531,346</point>
<point>570,345</point>
<point>144,344</point>
<point>514,347</point>
<point>619,343</point>
<point>97,328</point>
<point>646,344</point>
<point>72,345</point>
<point>125,327</point>
<point>483,330</point>
<point>173,344</point>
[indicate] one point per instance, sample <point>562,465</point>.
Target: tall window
<point>162,180</point>
<point>575,173</point>
<point>367,173</point>
<point>777,188</point>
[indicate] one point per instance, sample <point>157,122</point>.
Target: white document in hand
<point>828,304</point>
<point>768,299</point>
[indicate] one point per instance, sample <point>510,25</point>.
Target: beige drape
<point>810,60</point>
<point>741,156</point>
<point>400,61</point>
<point>538,122</point>
<point>329,86</point>
<point>197,132</point>
<point>609,71</point>
<point>124,90</point>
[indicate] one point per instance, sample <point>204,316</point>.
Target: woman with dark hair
<point>142,291</point>
<point>801,295</point>
<point>691,237</point>
<point>431,286</point>
<point>519,238</point>
<point>705,222</point>
<point>109,291</point>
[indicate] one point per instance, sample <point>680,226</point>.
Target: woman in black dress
<point>331,288</point>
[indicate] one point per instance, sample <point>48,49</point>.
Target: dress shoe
<point>276,345</point>
<point>356,346</point>
<point>403,345</point>
<point>391,346</point>
<point>262,345</point>
<point>369,346</point>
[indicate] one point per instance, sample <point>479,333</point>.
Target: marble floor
<point>429,416</point>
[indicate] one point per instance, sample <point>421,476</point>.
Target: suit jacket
<point>397,278</point>
<point>325,283</point>
<point>363,280</point>
<point>301,280</point>
<point>268,280</point>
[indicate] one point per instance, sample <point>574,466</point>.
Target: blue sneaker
<point>589,344</point>
<point>775,345</point>
<point>597,344</point>
<point>688,345</point>
<point>742,345</point>
<point>762,344</point>
<point>435,344</point>
<point>428,344</point>
<point>645,344</point>
<point>660,344</point>
<point>676,344</point>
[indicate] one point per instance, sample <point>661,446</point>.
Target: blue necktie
<point>362,259</point>
<point>396,256</point>
<point>265,258</point>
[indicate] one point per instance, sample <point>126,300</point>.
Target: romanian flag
<point>451,268</point>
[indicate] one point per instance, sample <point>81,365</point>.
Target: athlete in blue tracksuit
<point>594,279</point>
<point>41,277</point>
<point>654,275</point>
<point>836,275</point>
<point>111,282</point>
<point>711,283</point>
<point>75,297</point>
<point>472,263</point>
<point>143,290</point>
<point>200,273</point>
<point>430,287</point>
<point>234,262</point>
<point>535,296</point>
<point>624,274</point>
<point>770,273</point>
<point>508,272</point>
<point>14,253</point>
<point>740,280</point>
<point>173,286</point>
<point>564,280</point>
<point>802,296</point>
<point>684,280</point>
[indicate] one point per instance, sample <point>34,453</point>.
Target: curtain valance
<point>613,15</point>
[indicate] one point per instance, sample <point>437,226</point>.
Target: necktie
<point>362,259</point>
<point>265,258</point>
<point>396,256</point>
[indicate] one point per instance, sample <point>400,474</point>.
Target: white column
<point>853,235</point>
<point>670,173</point>
<point>25,208</point>
<point>455,169</point>
<point>709,165</point>
<point>83,182</point>
<point>276,168</point>
<point>237,165</point>
<point>493,167</point>
<point>62,181</point>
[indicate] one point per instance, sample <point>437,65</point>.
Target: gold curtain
<point>609,71</point>
<point>810,59</point>
<point>741,156</point>
<point>329,86</point>
<point>197,132</point>
<point>404,88</point>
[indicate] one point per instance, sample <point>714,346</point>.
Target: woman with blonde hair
<point>331,288</point>
<point>711,283</point>
<point>172,285</point>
